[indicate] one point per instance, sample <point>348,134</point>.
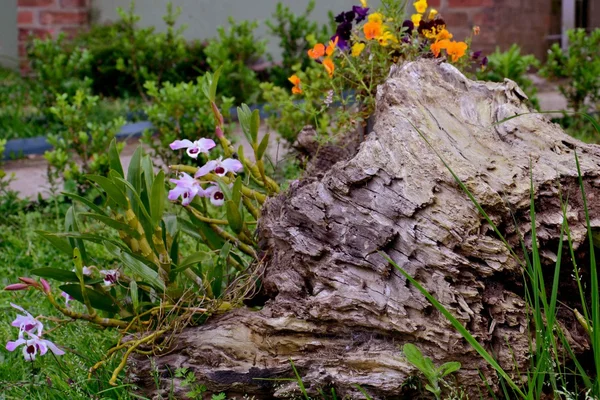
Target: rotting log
<point>340,311</point>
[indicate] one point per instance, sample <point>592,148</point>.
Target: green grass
<point>49,377</point>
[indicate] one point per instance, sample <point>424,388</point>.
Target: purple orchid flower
<point>217,198</point>
<point>111,276</point>
<point>193,148</point>
<point>220,167</point>
<point>33,346</point>
<point>187,188</point>
<point>26,323</point>
<point>67,297</point>
<point>361,13</point>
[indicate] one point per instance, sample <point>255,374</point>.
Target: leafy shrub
<point>88,140</point>
<point>293,32</point>
<point>579,65</point>
<point>235,51</point>
<point>178,111</point>
<point>513,65</point>
<point>58,71</point>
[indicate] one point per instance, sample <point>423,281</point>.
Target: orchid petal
<point>206,168</point>
<point>181,144</point>
<point>233,165</point>
<point>205,144</point>
<point>53,348</point>
<point>11,346</point>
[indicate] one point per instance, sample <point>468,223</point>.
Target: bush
<point>513,65</point>
<point>235,51</point>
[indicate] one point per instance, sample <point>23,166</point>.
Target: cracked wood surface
<point>339,310</point>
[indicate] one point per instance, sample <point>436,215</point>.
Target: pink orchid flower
<point>194,148</point>
<point>217,198</point>
<point>111,276</point>
<point>187,188</point>
<point>33,346</point>
<point>26,323</point>
<point>220,167</point>
<point>67,297</point>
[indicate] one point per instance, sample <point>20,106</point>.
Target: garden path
<point>30,174</point>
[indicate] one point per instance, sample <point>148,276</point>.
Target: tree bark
<point>340,311</point>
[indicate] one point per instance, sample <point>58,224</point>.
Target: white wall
<point>202,17</point>
<point>9,48</point>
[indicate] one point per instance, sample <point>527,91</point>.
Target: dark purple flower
<point>434,25</point>
<point>340,18</point>
<point>361,13</point>
<point>347,16</point>
<point>476,55</point>
<point>484,62</point>
<point>344,30</point>
<point>409,25</point>
<point>342,43</point>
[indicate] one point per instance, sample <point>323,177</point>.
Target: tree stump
<point>340,311</point>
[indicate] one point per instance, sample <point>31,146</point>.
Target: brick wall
<point>502,22</point>
<point>41,18</point>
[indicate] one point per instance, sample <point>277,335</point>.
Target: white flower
<point>193,148</point>
<point>111,276</point>
<point>220,167</point>
<point>33,346</point>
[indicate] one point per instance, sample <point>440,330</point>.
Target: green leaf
<point>118,225</point>
<point>134,177</point>
<point>58,274</point>
<point>236,191</point>
<point>60,243</point>
<point>78,261</point>
<point>111,189</point>
<point>84,201</point>
<point>244,116</point>
<point>72,226</point>
<point>113,158</point>
<point>262,147</point>
<point>234,217</point>
<point>215,274</point>
<point>148,170</point>
<point>98,300</point>
<point>138,268</point>
<point>133,292</point>
<point>196,258</point>
<point>415,357</point>
<point>201,231</point>
<point>157,198</point>
<point>254,127</point>
<point>448,368</point>
<point>213,85</point>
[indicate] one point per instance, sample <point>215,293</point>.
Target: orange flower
<point>437,47</point>
<point>443,34</point>
<point>329,66</point>
<point>456,50</point>
<point>332,44</point>
<point>317,51</point>
<point>296,82</point>
<point>372,30</point>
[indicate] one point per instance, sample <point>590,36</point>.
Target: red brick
<point>22,50</point>
<point>63,17</point>
<point>470,3</point>
<point>484,19</point>
<point>455,20</point>
<point>434,3</point>
<point>71,32</point>
<point>25,18</point>
<point>36,3</point>
<point>73,4</point>
<point>25,33</point>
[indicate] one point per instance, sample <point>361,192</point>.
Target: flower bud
<point>17,286</point>
<point>45,285</point>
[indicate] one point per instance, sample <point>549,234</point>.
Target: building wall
<point>41,18</point>
<point>203,17</point>
<point>9,51</point>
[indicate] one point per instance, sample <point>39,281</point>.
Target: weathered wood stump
<point>340,311</point>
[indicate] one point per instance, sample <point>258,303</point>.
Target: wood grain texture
<point>339,310</point>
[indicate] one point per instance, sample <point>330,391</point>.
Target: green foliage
<point>58,71</point>
<point>236,50</point>
<point>513,65</point>
<point>87,139</point>
<point>197,391</point>
<point>580,66</point>
<point>179,111</point>
<point>294,32</point>
<point>425,365</point>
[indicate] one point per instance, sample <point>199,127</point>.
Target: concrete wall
<point>9,48</point>
<point>202,17</point>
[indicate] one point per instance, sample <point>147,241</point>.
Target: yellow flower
<point>329,66</point>
<point>357,48</point>
<point>376,17</point>
<point>296,82</point>
<point>416,19</point>
<point>363,3</point>
<point>386,37</point>
<point>372,30</point>
<point>456,50</point>
<point>432,13</point>
<point>420,6</point>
